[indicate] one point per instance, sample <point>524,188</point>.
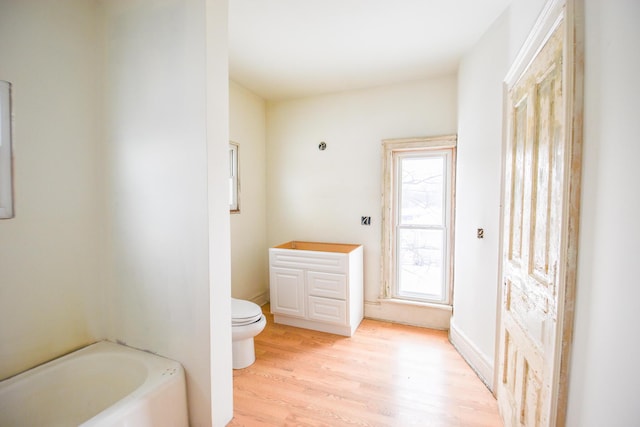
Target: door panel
<point>517,181</point>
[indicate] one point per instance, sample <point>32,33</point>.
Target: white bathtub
<point>104,384</point>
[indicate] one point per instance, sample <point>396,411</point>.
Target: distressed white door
<point>540,217</point>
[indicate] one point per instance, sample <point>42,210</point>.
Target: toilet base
<point>244,354</point>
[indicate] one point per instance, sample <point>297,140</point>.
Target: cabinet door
<point>327,285</point>
<point>287,292</point>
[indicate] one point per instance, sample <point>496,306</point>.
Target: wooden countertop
<point>318,246</point>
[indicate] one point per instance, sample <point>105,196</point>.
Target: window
<point>6,172</point>
<point>418,218</point>
<point>234,180</point>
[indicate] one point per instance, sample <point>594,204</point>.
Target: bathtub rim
<point>160,373</point>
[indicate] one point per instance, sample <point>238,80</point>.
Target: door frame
<point>572,11</point>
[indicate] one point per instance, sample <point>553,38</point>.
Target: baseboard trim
<point>478,361</point>
<point>261,298</point>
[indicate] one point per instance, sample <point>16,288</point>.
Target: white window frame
<point>6,155</point>
<point>234,177</point>
<point>392,150</point>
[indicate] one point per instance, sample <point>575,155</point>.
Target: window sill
<point>446,307</point>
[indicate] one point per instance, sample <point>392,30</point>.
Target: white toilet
<point>247,321</point>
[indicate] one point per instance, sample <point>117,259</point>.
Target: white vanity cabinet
<point>317,286</point>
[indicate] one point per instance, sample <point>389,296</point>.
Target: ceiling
<point>283,49</point>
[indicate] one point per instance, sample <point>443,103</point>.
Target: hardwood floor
<point>385,375</point>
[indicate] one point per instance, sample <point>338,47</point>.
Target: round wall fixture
<point>322,146</point>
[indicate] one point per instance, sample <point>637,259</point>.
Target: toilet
<point>247,321</point>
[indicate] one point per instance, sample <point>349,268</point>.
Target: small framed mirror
<point>234,178</point>
<point>6,156</point>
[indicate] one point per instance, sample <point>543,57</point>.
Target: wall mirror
<point>234,178</point>
<point>6,157</point>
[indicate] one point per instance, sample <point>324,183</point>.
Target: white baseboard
<point>478,361</point>
<point>261,298</point>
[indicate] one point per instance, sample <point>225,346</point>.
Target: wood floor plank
<point>385,375</point>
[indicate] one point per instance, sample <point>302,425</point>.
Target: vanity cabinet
<point>317,286</point>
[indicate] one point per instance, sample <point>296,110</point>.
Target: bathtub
<point>103,384</point>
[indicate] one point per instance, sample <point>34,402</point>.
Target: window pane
<point>422,191</point>
<point>420,262</point>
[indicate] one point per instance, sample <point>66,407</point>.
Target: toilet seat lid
<point>244,312</point>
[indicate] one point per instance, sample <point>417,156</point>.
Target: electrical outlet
<point>365,220</point>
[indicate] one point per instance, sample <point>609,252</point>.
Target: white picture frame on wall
<point>6,155</point>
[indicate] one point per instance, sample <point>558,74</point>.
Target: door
<point>540,217</point>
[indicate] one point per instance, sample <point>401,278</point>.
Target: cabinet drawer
<point>327,285</point>
<point>319,261</point>
<point>328,310</point>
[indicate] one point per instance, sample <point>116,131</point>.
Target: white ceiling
<point>292,48</point>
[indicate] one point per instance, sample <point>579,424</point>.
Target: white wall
<point>604,378</point>
<point>122,222</point>
<point>50,271</point>
<point>480,78</point>
<point>321,195</point>
<point>165,207</point>
<point>217,90</point>
<point>249,255</point>
<point>478,196</point>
